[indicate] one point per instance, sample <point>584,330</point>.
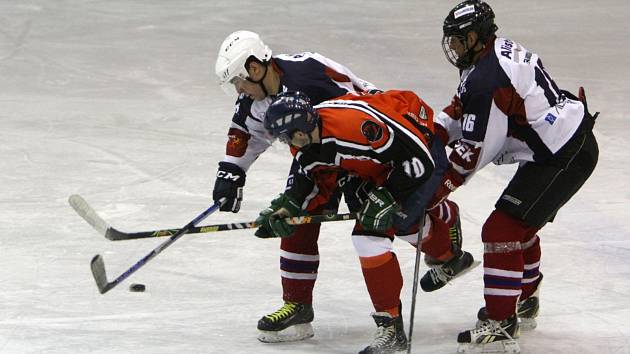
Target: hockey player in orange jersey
<point>383,144</point>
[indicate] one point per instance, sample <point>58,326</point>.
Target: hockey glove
<point>455,110</point>
<point>378,210</point>
<point>271,219</point>
<point>229,184</point>
<point>450,182</point>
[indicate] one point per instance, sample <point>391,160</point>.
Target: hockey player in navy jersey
<point>508,109</point>
<point>245,65</point>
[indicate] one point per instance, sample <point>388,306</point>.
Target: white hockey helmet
<point>233,54</point>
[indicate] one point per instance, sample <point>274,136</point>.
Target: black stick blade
<point>98,271</point>
<point>115,235</point>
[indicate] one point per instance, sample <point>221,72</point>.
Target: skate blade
<point>500,347</point>
<point>291,334</point>
<point>527,324</point>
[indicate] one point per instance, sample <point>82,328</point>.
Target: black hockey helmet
<point>469,15</point>
<point>289,112</point>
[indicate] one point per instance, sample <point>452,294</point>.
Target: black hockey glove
<point>229,184</point>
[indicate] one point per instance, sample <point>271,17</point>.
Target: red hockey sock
<point>299,261</point>
<point>438,243</point>
<point>503,263</point>
<point>531,272</point>
<point>384,281</point>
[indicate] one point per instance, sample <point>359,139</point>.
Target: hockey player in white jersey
<point>508,109</point>
<point>245,65</point>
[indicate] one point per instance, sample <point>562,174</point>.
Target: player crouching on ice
<point>384,144</point>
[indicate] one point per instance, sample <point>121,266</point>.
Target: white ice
<point>117,101</point>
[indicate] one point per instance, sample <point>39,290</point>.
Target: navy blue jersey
<point>317,76</point>
<point>511,111</point>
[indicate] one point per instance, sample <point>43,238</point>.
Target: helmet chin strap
<point>260,82</point>
<point>308,145</point>
<point>469,56</point>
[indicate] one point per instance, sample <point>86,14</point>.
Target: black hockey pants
<point>538,190</point>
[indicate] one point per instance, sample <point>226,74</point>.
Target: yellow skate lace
<point>285,311</point>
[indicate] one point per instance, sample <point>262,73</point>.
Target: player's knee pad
<point>411,235</point>
<point>370,246</point>
<point>303,240</point>
<point>502,227</point>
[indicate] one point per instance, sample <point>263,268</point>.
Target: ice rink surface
<point>117,101</point>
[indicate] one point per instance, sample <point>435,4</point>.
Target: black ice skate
<point>526,311</point>
<point>436,277</point>
<point>390,335</point>
<point>293,317</point>
<point>492,337</point>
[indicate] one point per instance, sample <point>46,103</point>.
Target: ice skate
<point>292,322</point>
<point>389,337</point>
<point>491,337</point>
<point>438,276</point>
<point>527,311</point>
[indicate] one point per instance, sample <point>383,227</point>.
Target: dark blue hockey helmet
<point>469,15</point>
<point>289,112</point>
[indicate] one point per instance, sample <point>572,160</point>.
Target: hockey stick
<point>414,290</point>
<point>88,214</point>
<point>98,266</point>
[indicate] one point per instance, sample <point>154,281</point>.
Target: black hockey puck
<point>137,288</point>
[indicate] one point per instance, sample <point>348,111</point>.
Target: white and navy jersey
<point>318,77</point>
<point>512,111</point>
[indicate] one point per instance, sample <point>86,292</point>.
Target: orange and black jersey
<point>380,138</point>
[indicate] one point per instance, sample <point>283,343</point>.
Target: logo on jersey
<point>461,89</point>
<point>465,155</point>
<point>371,131</point>
<point>550,118</point>
<point>506,48</point>
<point>418,118</point>
<point>237,142</point>
<point>423,113</point>
<point>290,181</point>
